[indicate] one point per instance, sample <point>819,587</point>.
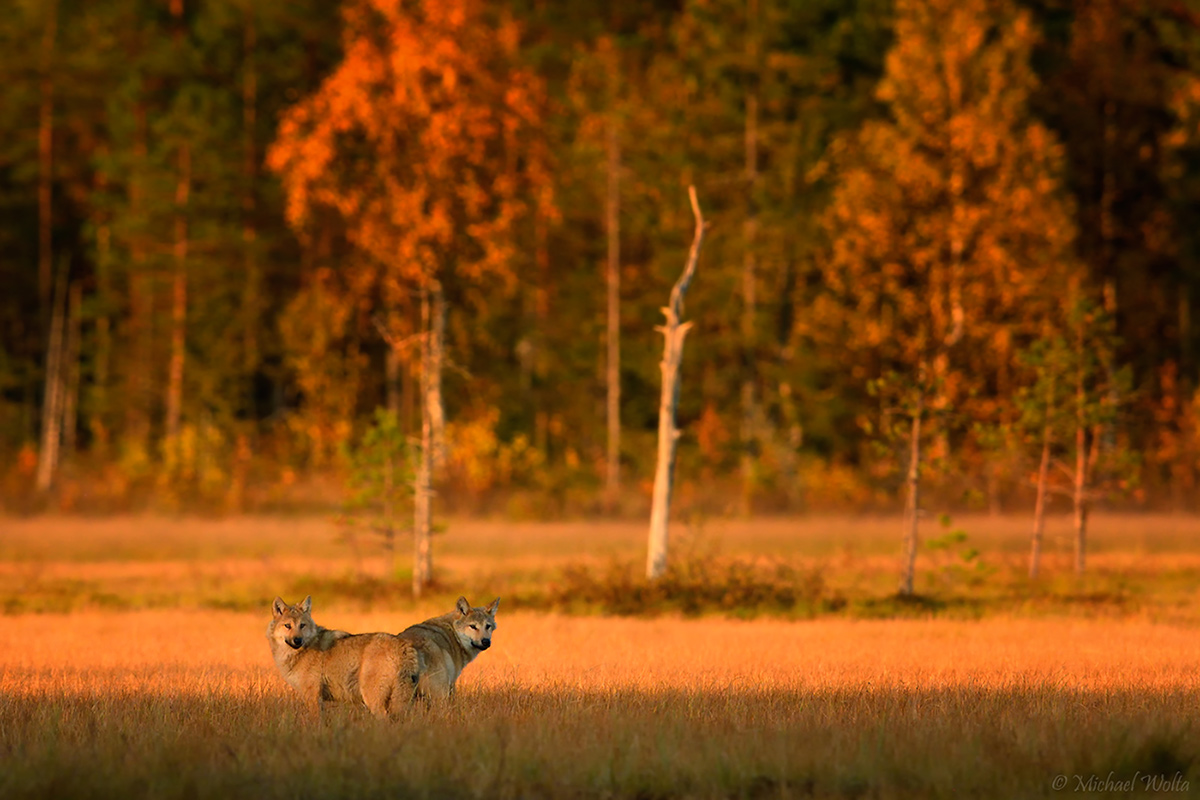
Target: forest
<point>234,233</point>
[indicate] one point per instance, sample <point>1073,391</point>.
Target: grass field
<point>157,682</point>
<point>1140,567</point>
<point>172,704</point>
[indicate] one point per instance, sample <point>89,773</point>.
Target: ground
<point>182,700</point>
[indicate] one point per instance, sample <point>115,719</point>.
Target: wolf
<point>375,670</point>
<point>446,644</point>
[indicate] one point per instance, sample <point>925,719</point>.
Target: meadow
<point>1139,567</point>
<point>127,690</point>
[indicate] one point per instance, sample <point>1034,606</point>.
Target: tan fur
<point>375,670</point>
<point>446,644</point>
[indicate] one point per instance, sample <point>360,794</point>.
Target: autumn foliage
<point>950,234</point>
<point>423,140</point>
<point>234,229</point>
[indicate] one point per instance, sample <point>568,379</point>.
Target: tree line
<point>951,250</point>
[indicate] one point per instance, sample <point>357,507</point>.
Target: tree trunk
<point>71,377</point>
<point>1081,502</point>
<point>612,483</point>
<point>1039,508</point>
<point>423,481</point>
<point>994,485</point>
<point>408,397</point>
<point>673,334</point>
<point>912,508</point>
<point>1185,329</point>
<point>103,294</point>
<point>437,346</point>
<point>253,278</point>
<point>174,400</point>
<point>542,298</point>
<point>52,401</point>
<point>141,294</point>
<point>1081,470</point>
<point>392,377</point>
<point>748,432</point>
<point>46,159</point>
<point>389,514</point>
<point>179,298</point>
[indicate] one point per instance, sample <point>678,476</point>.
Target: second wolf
<point>376,670</point>
<point>446,644</point>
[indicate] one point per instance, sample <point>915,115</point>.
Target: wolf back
<point>375,670</point>
<point>445,645</point>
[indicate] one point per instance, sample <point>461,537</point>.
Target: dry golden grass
<point>182,701</point>
<point>187,704</point>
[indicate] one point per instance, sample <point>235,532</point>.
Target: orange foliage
<point>423,140</point>
<point>1177,415</point>
<point>948,226</point>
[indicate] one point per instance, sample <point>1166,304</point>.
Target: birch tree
<point>1071,411</point>
<point>1042,405</point>
<point>421,142</point>
<point>949,235</point>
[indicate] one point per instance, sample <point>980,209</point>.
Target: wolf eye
<point>302,625</point>
<point>474,627</point>
<point>287,625</point>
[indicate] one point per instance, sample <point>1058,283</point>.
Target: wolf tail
<point>410,667</point>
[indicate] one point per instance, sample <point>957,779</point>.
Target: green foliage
<point>901,397</point>
<point>957,562</point>
<point>379,481</point>
<point>1075,384</point>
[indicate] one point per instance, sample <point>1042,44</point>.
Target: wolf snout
<point>484,644</point>
<point>295,642</point>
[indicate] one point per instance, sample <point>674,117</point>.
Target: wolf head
<point>474,626</point>
<point>292,625</point>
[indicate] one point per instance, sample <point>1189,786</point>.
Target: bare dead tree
<point>673,331</point>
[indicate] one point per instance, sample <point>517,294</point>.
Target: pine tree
<point>949,234</point>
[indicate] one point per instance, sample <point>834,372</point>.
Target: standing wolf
<point>446,644</point>
<point>376,670</point>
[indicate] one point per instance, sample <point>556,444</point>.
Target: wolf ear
<point>491,609</point>
<point>306,605</point>
<point>462,606</point>
<point>278,607</point>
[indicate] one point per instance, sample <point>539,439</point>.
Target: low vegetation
<point>1142,568</point>
<point>171,704</point>
<point>158,683</point>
